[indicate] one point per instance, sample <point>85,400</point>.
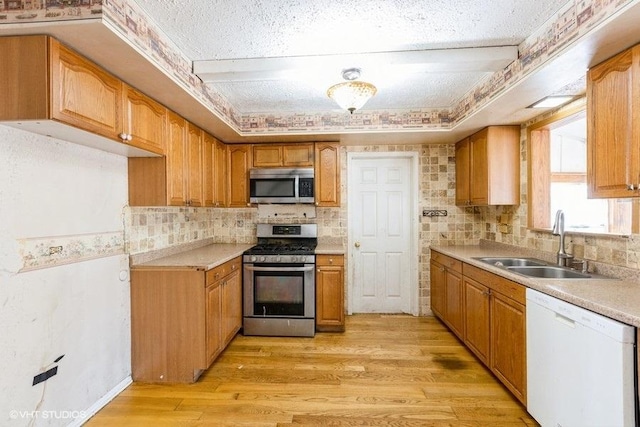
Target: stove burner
<point>279,248</point>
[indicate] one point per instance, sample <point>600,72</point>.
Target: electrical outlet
<point>55,250</point>
<point>45,375</point>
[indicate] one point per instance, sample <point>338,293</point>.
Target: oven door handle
<point>282,269</point>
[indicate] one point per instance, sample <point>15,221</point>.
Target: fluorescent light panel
<point>551,101</point>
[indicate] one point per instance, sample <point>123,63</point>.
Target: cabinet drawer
<point>221,271</point>
<point>448,262</point>
<point>506,287</point>
<point>329,259</point>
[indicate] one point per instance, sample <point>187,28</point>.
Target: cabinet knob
<point>330,260</point>
<point>317,203</point>
<point>632,187</point>
<point>356,244</point>
<point>125,137</point>
<point>318,270</point>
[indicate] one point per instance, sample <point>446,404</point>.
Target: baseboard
<point>102,402</point>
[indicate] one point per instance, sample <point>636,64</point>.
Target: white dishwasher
<point>580,366</point>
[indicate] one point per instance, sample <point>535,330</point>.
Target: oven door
<point>279,290</point>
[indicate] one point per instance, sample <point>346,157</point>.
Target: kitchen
<point>116,231</point>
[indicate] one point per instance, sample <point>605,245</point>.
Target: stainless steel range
<point>279,281</point>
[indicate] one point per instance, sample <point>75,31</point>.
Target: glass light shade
<point>351,95</point>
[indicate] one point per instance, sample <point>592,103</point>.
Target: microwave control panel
<point>306,187</point>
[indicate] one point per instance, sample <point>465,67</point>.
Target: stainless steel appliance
<point>277,185</point>
<point>279,281</point>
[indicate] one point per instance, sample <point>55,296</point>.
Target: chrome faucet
<point>563,258</point>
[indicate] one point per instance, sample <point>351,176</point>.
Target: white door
<point>382,235</point>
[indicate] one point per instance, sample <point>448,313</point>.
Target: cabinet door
<point>231,306</point>
<point>508,344</point>
<point>267,156</point>
<point>463,163</point>
<point>454,311</point>
<point>144,121</point>
<point>438,289</point>
<point>176,162</point>
<point>477,332</point>
<point>194,166</point>
<point>330,292</point>
<point>613,126</point>
<point>327,174</point>
<point>83,95</point>
<point>221,178</point>
<point>208,173</point>
<point>213,314</point>
<point>239,163</point>
<point>298,155</point>
<point>479,169</point>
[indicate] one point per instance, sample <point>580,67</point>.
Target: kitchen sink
<point>548,272</point>
<point>512,261</point>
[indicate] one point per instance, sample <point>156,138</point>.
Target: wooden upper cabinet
<point>194,156</point>
<point>279,155</point>
<point>176,161</point>
<point>144,121</point>
<point>267,156</point>
<point>83,95</point>
<point>488,167</point>
<point>613,126</point>
<point>327,174</point>
<point>50,89</point>
<point>208,169</point>
<point>463,164</point>
<point>221,179</point>
<point>238,164</point>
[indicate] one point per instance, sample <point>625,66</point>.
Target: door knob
<point>357,244</point>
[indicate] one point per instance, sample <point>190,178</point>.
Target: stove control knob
<point>254,258</point>
<point>262,259</point>
<point>278,259</point>
<point>294,258</point>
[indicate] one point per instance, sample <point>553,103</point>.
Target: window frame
<point>539,156</point>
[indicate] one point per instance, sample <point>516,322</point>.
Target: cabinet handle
<point>318,270</point>
<point>125,137</point>
<point>631,187</point>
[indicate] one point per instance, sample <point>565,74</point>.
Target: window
<point>558,179</point>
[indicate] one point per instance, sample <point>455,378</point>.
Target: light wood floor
<point>383,371</point>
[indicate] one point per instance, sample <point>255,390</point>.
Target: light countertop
<point>202,258</point>
<point>617,299</point>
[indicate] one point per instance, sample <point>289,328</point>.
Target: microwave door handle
<point>280,269</point>
<point>296,186</point>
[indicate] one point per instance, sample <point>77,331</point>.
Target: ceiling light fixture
<point>352,94</point>
<point>551,101</point>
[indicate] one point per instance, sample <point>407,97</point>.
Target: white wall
<point>52,190</point>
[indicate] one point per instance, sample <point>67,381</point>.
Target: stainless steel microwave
<point>281,185</point>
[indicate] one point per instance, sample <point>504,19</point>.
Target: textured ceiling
<point>240,29</point>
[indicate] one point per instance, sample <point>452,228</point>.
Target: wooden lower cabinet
<point>446,291</point>
<point>493,315</point>
<point>329,293</point>
<point>508,344</point>
<point>182,319</point>
<point>476,319</point>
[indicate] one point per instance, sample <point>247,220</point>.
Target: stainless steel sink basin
<point>511,261</point>
<point>549,272</point>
